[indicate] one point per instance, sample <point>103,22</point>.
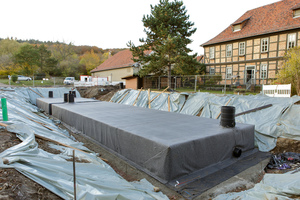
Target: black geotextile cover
<point>46,103</point>
<point>166,145</point>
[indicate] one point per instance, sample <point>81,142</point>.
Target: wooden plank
<point>123,97</point>
<point>137,96</point>
<point>159,94</point>
<point>34,91</point>
<point>149,102</point>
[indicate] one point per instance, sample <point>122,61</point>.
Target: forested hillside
<point>34,57</point>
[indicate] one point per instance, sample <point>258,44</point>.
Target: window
<point>228,50</point>
<point>242,48</point>
<point>291,40</point>
<point>296,13</point>
<point>264,45</point>
<point>237,27</point>
<point>211,52</point>
<point>263,71</point>
<point>228,72</point>
<point>212,71</point>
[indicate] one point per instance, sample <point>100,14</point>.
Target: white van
<point>69,80</point>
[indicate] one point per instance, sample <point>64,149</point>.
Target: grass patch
<point>37,83</point>
<point>209,91</point>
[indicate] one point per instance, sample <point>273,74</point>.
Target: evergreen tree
<point>168,31</point>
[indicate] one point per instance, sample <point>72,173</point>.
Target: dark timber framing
<point>277,46</point>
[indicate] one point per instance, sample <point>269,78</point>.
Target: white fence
<point>277,90</point>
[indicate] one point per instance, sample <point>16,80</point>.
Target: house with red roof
<point>118,68</point>
<point>251,49</point>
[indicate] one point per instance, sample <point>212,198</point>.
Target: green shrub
<point>239,90</point>
<point>14,78</point>
<point>212,79</point>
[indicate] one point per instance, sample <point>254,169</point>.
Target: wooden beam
<point>149,102</point>
<point>123,97</point>
<point>159,94</point>
<point>34,91</point>
<point>137,96</point>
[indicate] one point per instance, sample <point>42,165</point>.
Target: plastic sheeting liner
<point>273,186</point>
<point>166,145</point>
<point>95,180</point>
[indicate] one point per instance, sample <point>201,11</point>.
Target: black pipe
<point>50,95</point>
<point>66,95</point>
<point>237,152</point>
<point>227,116</point>
<point>71,98</point>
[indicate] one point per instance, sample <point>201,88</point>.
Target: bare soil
<point>286,145</point>
<point>102,93</point>
<point>13,184</point>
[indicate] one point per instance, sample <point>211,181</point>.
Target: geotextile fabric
<point>279,120</point>
<point>166,145</point>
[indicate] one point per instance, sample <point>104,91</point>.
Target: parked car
<point>69,80</point>
<point>24,78</point>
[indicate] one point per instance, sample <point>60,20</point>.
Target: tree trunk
<point>169,77</point>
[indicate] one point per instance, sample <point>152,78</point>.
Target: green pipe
<point>4,109</point>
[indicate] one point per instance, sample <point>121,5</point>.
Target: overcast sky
<point>110,23</point>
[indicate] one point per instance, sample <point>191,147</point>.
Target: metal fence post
<point>159,83</point>
<point>195,83</point>
<point>54,81</point>
<point>33,80</point>
<point>225,81</point>
<point>175,83</point>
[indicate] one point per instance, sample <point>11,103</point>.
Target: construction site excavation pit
<point>188,154</point>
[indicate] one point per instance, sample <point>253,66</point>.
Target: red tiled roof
<point>199,58</point>
<point>119,60</point>
<point>263,20</point>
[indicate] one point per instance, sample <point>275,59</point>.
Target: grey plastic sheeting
<point>38,92</point>
<point>164,144</point>
<point>46,103</point>
<point>273,186</point>
<point>141,99</point>
<point>95,180</point>
<point>279,120</point>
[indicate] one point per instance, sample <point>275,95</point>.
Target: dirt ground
<point>14,185</point>
<point>102,93</point>
<point>286,145</point>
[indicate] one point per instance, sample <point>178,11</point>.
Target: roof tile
<point>119,60</point>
